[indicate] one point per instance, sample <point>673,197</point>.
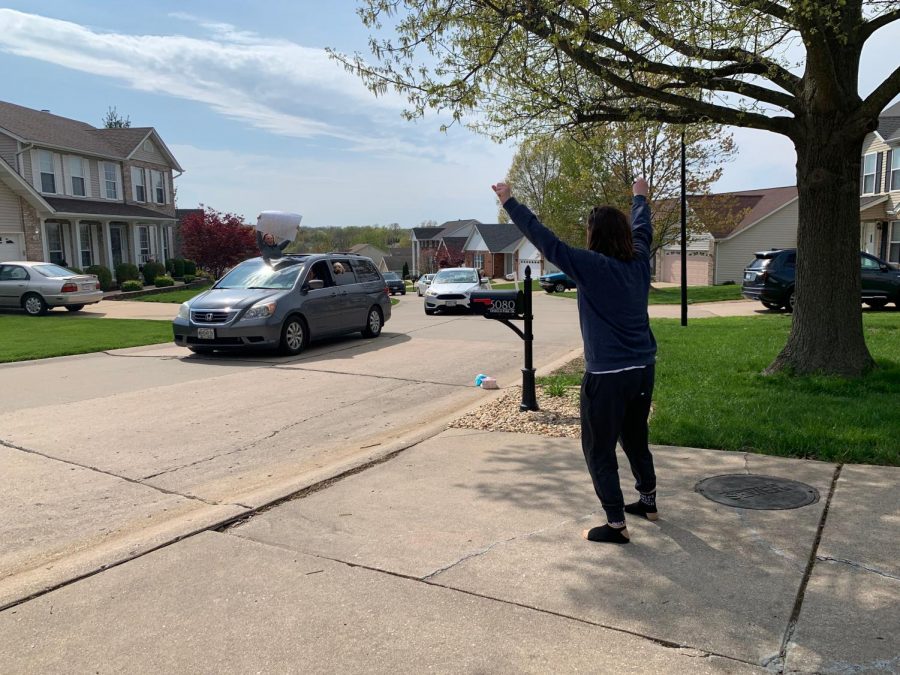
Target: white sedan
<point>422,284</point>
<point>38,286</point>
<point>451,287</point>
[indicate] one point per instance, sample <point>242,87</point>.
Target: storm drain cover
<point>749,491</point>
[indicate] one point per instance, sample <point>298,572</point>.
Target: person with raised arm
<point>612,276</point>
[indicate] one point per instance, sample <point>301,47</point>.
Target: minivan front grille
<point>209,316</point>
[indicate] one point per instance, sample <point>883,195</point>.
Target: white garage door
<point>697,269</point>
<point>11,247</point>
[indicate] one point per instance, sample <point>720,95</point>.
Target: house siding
<point>876,145</point>
<point>777,230</point>
<point>153,156</point>
<point>26,168</point>
<point>94,169</point>
<point>10,211</point>
<point>8,148</point>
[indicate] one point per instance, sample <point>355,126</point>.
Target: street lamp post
<point>684,312</point>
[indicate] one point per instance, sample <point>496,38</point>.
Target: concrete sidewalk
<point>463,554</point>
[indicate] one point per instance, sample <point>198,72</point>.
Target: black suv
<point>394,283</point>
<point>770,279</point>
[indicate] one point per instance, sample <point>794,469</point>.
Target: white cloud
<point>275,85</point>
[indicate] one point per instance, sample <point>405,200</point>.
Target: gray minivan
<point>284,303</point>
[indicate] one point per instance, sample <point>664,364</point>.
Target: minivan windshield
<point>455,277</point>
<point>257,273</point>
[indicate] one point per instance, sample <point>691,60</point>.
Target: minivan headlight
<point>184,312</point>
<point>260,310</point>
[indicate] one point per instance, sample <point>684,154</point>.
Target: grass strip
<point>710,393</point>
<point>176,297</point>
<point>23,338</point>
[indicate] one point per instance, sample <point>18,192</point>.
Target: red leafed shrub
<point>217,241</point>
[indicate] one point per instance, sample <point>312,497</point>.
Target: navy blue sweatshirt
<point>612,294</point>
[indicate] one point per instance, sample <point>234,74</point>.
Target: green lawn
<point>510,285</point>
<point>176,296</point>
<point>24,337</point>
<point>710,393</point>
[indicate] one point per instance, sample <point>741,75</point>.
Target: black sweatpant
<point>613,406</point>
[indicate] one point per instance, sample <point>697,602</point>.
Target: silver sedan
<point>39,286</point>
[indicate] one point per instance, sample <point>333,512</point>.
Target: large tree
<point>526,64</point>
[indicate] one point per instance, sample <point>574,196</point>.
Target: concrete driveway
<point>109,455</point>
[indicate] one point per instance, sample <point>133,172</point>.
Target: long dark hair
<point>608,233</point>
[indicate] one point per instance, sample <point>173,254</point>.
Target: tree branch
<point>865,31</point>
<point>884,92</point>
<point>605,69</point>
<point>769,7</point>
<point>755,63</point>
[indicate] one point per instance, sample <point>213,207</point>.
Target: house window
<point>869,162</point>
<point>87,245</point>
<point>55,243</point>
<point>144,240</point>
<point>76,176</point>
<point>48,177</point>
<point>894,243</point>
<point>894,180</point>
<point>111,181</point>
<point>165,243</point>
<point>478,261</point>
<point>137,180</point>
<point>159,188</point>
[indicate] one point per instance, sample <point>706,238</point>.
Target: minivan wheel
<point>373,323</point>
<point>34,304</point>
<point>293,335</point>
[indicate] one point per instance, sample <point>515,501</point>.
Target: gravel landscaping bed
<point>558,415</point>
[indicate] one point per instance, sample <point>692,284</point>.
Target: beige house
<point>737,225</point>
<point>879,208</point>
<point>71,193</point>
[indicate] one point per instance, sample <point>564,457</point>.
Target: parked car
<point>556,282</point>
<point>285,304</point>
<point>422,284</point>
<point>38,286</point>
<point>450,288</point>
<point>769,278</point>
<point>395,283</point>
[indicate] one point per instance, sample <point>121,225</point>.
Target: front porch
<point>880,227</point>
<point>82,242</point>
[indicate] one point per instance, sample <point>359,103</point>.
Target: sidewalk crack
<point>857,565</point>
<point>488,549</point>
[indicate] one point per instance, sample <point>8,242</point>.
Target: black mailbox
<point>498,304</point>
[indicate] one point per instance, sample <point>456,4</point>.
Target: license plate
<point>451,303</point>
<point>206,333</point>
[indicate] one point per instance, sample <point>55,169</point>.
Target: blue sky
<point>260,118</point>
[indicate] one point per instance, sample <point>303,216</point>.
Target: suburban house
<point>735,226</point>
<point>500,249</point>
<point>879,202</point>
<point>426,241</point>
<point>74,194</point>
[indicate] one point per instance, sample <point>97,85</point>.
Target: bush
<point>127,272</point>
<point>103,275</point>
<point>77,270</point>
<point>131,285</point>
<point>405,271</point>
<point>163,280</point>
<point>177,268</point>
<point>190,267</point>
<point>188,278</point>
<point>151,270</point>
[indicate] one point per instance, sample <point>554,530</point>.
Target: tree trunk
<point>827,333</point>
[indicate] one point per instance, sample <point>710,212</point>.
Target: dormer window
<point>48,176</point>
<point>137,181</point>
<point>868,182</point>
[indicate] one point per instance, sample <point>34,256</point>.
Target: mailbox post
<point>505,307</point>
